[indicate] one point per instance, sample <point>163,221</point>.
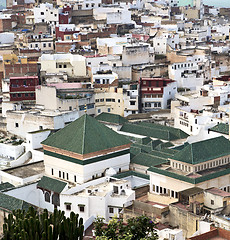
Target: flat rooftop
<point>27,170</point>
<point>101,189</point>
<point>137,182</point>
<point>39,112</point>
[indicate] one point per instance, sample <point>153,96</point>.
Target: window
<point>52,171</point>
<point>67,176</point>
<point>109,110</point>
<point>44,44</point>
<point>115,189</point>
<point>110,210</point>
<point>132,102</point>
<point>157,189</point>
<point>82,208</point>
<point>160,189</point>
<point>26,94</point>
<point>56,199</point>
<point>49,44</point>
<point>75,178</point>
<point>42,13</point>
<point>59,173</point>
<point>16,125</point>
<point>63,174</point>
<point>47,197</point>
<point>19,94</point>
<point>212,202</point>
<point>98,110</point>
<point>64,66</point>
<point>68,207</point>
<point>32,94</point>
<point>70,108</point>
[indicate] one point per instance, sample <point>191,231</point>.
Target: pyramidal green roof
<point>203,151</point>
<point>85,135</point>
<point>111,118</point>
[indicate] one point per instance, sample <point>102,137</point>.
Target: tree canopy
<point>137,228</point>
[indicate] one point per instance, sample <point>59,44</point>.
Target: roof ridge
<point>192,152</point>
<point>83,137</point>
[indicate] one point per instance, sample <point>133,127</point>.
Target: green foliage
<point>139,228</point>
<point>30,225</point>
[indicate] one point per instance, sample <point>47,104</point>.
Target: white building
<point>131,97</point>
<point>104,78</point>
<point>23,121</point>
<point>83,150</point>
<point>70,64</point>
<point>46,12</point>
<point>190,73</point>
<point>66,97</point>
<point>121,16</point>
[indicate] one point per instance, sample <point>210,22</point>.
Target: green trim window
<point>68,206</point>
<point>81,207</point>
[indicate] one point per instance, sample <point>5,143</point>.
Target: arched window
<point>47,197</point>
<point>55,199</point>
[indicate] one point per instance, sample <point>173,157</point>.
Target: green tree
<point>139,228</point>
<point>31,225</point>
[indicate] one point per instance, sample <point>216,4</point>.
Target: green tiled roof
<point>51,184</point>
<point>85,135</point>
<point>178,148</point>
<point>146,140</point>
<point>111,118</point>
<point>160,154</point>
<point>164,145</point>
<point>148,160</point>
<point>204,150</point>
<point>174,132</point>
<point>134,151</point>
<point>131,173</point>
<point>188,179</point>
<point>144,148</point>
<point>155,143</point>
<point>11,203</point>
<point>221,128</point>
<point>169,150</point>
<point>5,185</point>
<point>154,130</point>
